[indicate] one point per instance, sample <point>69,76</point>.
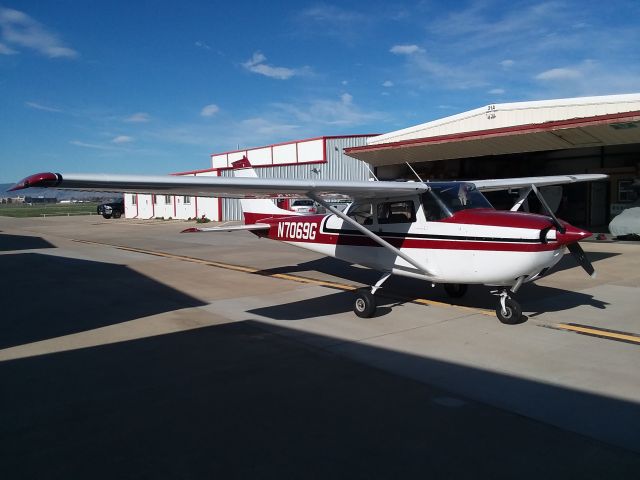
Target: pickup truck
<point>114,209</point>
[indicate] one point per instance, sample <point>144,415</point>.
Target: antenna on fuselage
<point>414,172</point>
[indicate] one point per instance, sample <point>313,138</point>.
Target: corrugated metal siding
<point>338,167</point>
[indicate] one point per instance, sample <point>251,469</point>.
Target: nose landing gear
<point>508,310</point>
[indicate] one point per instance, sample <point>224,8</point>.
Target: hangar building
<point>568,136</point>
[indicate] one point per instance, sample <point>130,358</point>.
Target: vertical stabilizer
<point>255,209</point>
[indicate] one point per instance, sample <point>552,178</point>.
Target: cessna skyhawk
<point>442,232</point>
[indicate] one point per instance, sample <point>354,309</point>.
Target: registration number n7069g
<point>297,230</point>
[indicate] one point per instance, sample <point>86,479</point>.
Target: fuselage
<point>477,245</point>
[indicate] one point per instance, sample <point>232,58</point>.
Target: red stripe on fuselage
<point>285,229</point>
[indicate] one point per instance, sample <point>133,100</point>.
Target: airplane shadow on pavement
<point>402,289</point>
<point>49,296</point>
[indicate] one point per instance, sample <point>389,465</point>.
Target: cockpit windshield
<point>445,199</point>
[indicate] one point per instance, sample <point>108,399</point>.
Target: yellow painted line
<point>286,276</point>
<point>597,332</point>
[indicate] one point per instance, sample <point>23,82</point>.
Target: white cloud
<point>20,30</point>
<point>560,74</point>
<point>405,49</point>
<point>387,83</point>
<point>507,63</point>
<point>39,106</point>
<point>201,44</point>
<point>496,91</point>
<point>256,64</point>
<point>139,117</point>
<point>122,139</point>
<point>5,50</point>
<point>209,110</point>
<point>348,26</point>
<point>319,112</point>
<point>95,146</point>
<point>267,128</point>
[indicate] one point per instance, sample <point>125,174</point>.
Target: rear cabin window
<point>396,212</point>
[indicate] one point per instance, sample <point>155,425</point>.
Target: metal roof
<point>511,128</point>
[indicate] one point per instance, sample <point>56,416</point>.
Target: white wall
<point>303,151</point>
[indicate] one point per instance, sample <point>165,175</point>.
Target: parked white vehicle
<point>303,205</point>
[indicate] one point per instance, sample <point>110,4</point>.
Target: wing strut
<point>370,234</point>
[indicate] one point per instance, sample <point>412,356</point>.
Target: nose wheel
<point>508,310</point>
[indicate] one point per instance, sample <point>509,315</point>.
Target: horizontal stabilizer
<point>228,228</point>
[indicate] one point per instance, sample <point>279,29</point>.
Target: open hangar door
<point>591,205</point>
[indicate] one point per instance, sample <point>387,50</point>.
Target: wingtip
<point>44,180</point>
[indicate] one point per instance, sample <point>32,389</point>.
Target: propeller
<point>574,247</point>
<point>578,253</point>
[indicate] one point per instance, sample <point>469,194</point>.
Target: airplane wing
<point>236,187</point>
<point>523,182</point>
<point>243,187</point>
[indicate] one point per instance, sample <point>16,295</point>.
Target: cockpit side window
<point>433,211</point>
<point>396,212</point>
<point>362,213</point>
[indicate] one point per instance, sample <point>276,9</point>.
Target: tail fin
<point>253,209</point>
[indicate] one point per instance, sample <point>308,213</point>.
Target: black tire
<point>455,290</point>
<point>107,216</point>
<point>117,214</point>
<point>513,314</point>
<point>364,305</point>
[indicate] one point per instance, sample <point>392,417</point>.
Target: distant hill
<point>58,194</point>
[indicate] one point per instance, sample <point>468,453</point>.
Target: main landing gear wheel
<point>512,313</point>
<point>365,304</point>
<point>455,290</point>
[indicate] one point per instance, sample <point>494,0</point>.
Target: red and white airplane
<point>442,232</point>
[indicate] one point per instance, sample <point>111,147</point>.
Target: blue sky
<point>156,86</point>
